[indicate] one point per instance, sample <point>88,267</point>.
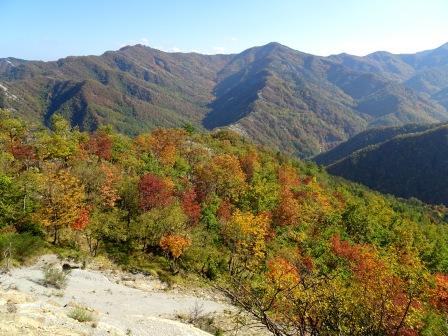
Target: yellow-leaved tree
<point>245,234</point>
<point>62,197</point>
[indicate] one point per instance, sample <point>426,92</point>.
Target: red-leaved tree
<point>191,206</point>
<point>82,221</point>
<point>100,144</point>
<point>154,191</point>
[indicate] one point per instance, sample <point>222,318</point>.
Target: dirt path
<point>122,310</point>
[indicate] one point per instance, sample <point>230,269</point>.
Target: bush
<point>30,228</point>
<point>214,267</point>
<point>81,314</point>
<point>201,320</point>
<point>22,245</point>
<point>54,277</point>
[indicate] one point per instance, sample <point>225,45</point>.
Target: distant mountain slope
<point>365,139</point>
<point>408,165</point>
<point>425,72</point>
<point>308,104</point>
<point>297,102</point>
<point>281,97</point>
<point>134,89</point>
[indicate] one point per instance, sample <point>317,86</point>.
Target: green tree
<point>152,225</point>
<point>11,210</point>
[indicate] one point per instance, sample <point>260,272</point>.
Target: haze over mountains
<point>275,95</point>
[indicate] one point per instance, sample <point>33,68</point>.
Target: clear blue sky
<point>50,29</point>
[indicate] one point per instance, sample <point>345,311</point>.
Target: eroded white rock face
<point>36,318</point>
<point>7,93</point>
<point>28,308</point>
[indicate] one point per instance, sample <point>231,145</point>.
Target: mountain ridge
<point>294,101</point>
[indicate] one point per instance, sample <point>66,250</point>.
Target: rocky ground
<point>118,304</point>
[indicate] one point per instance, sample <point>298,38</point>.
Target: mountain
<point>365,139</point>
<point>134,89</point>
<point>425,72</point>
<point>294,101</point>
<point>407,162</point>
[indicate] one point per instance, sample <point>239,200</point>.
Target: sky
<point>51,29</point>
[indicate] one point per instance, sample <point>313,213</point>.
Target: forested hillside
<point>306,253</point>
<point>409,164</point>
<point>366,139</point>
<point>294,101</point>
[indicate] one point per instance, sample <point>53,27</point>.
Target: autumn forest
<point>304,252</point>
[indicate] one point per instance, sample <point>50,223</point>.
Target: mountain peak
<point>443,47</point>
<point>274,45</point>
<point>135,46</point>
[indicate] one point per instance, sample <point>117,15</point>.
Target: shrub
<point>81,314</point>
<point>54,277</point>
<point>213,269</point>
<point>22,245</point>
<point>201,320</point>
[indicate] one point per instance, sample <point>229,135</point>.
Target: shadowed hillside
<point>365,139</point>
<point>407,164</point>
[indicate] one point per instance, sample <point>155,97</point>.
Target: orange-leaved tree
<point>100,144</point>
<point>174,244</point>
<point>379,295</point>
<point>163,143</point>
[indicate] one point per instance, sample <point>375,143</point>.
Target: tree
<point>23,152</point>
<point>82,221</point>
<point>288,177</point>
<point>61,143</point>
<point>189,128</point>
<point>129,199</point>
<point>302,201</point>
<point>224,211</point>
<point>288,211</point>
<point>378,296</point>
<point>190,205</point>
<point>250,164</point>
<point>440,292</point>
<point>106,227</point>
<point>155,191</point>
<point>174,244</point>
<point>245,234</point>
<point>100,144</point>
<point>163,143</point>
<point>222,176</point>
<point>151,226</point>
<point>11,129</point>
<point>10,201</point>
<point>288,296</point>
<point>62,201</point>
<point>108,192</point>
